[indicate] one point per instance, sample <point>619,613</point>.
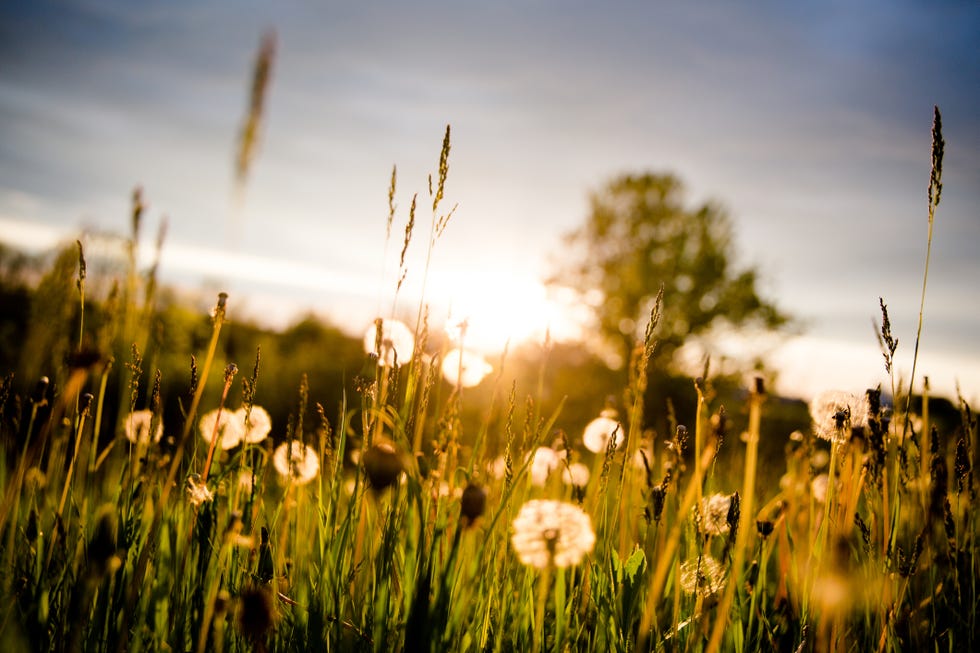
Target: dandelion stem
<point>544,585</point>
<point>215,435</point>
<point>79,429</point>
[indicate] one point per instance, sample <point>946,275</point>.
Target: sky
<point>809,122</point>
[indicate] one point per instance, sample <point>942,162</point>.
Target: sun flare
<point>505,307</point>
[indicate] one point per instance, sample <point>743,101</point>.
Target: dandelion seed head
<point>544,461</point>
<point>197,490</point>
<point>456,328</point>
<point>246,480</point>
<point>703,576</point>
<point>551,533</point>
<point>819,459</point>
<point>497,467</point>
<point>466,368</point>
<point>397,343</point>
<point>791,484</point>
<point>643,456</point>
<point>443,489</point>
<point>257,428</point>
<point>835,413</point>
<point>575,474</point>
<point>598,432</point>
<point>714,514</point>
<point>137,424</point>
<point>296,462</point>
<point>230,431</point>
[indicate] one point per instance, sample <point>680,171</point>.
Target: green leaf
<point>635,564</point>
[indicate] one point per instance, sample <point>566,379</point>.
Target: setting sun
<point>501,307</point>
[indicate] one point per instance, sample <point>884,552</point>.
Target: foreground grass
<point>389,527</point>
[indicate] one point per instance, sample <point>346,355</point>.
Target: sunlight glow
<point>465,368</point>
<point>502,307</point>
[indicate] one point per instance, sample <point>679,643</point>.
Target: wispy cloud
<point>810,122</point>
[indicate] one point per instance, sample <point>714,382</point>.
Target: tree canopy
<point>640,234</point>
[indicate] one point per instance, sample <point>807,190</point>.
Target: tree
<point>640,234</point>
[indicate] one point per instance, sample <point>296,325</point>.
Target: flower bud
<point>473,503</point>
<point>382,464</point>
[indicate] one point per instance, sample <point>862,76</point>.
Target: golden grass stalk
<point>666,559</point>
<point>747,517</point>
<point>139,569</point>
<point>934,192</point>
<point>248,138</point>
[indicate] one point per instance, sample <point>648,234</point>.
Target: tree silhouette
<point>640,234</point>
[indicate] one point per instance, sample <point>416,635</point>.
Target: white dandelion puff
<point>397,343</point>
<point>257,427</point>
<point>714,514</point>
<point>819,459</point>
<point>222,424</point>
<point>551,533</point>
<point>137,427</point>
<point>296,461</point>
<point>643,457</point>
<point>598,432</point>
<point>497,467</point>
<point>835,413</point>
<point>197,490</point>
<point>464,367</point>
<point>703,576</point>
<point>456,328</point>
<point>576,474</point>
<point>246,480</point>
<point>544,461</point>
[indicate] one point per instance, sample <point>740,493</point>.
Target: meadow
<point>389,522</point>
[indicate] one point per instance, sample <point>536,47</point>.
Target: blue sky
<point>808,121</point>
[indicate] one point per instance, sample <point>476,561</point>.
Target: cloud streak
<point>809,123</point>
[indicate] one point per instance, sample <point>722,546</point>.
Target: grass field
<point>389,526</point>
